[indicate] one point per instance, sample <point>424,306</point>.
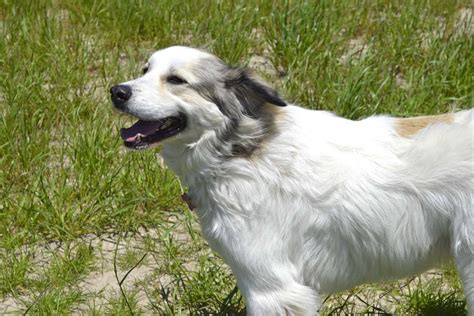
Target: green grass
<point>434,302</point>
<point>64,176</point>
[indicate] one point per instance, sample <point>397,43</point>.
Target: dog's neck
<point>192,163</point>
<point>198,168</point>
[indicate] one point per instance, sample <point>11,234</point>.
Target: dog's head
<point>186,94</point>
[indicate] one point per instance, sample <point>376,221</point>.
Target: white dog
<point>302,202</point>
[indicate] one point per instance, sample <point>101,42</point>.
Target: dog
<point>301,202</point>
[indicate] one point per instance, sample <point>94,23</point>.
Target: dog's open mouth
<point>142,134</point>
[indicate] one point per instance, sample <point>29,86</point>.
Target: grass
<point>66,194</point>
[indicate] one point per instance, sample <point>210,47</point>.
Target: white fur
<point>326,203</point>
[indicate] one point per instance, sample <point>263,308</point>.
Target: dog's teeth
<point>140,147</point>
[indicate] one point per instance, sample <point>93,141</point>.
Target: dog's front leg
<point>288,299</point>
<point>262,246</point>
<point>269,281</point>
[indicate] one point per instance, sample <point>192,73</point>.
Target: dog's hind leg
<point>465,264</point>
<point>463,250</point>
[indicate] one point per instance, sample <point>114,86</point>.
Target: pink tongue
<point>141,127</point>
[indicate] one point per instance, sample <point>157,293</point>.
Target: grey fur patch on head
<point>242,98</point>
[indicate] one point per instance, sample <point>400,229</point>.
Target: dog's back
<point>379,204</point>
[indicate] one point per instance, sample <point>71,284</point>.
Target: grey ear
<point>249,89</point>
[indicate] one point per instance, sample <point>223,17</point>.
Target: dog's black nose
<point>120,94</point>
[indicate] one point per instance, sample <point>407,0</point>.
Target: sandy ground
<point>101,284</point>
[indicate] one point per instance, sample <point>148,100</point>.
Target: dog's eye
<point>145,69</point>
<point>176,80</point>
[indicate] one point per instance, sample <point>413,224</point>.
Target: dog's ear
<point>250,90</point>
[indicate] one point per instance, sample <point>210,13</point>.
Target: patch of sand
<point>356,49</point>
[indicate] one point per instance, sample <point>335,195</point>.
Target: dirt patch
<point>356,49</point>
<point>428,38</point>
<point>464,22</point>
<point>263,65</point>
<point>10,305</point>
<point>463,25</point>
<point>110,263</point>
